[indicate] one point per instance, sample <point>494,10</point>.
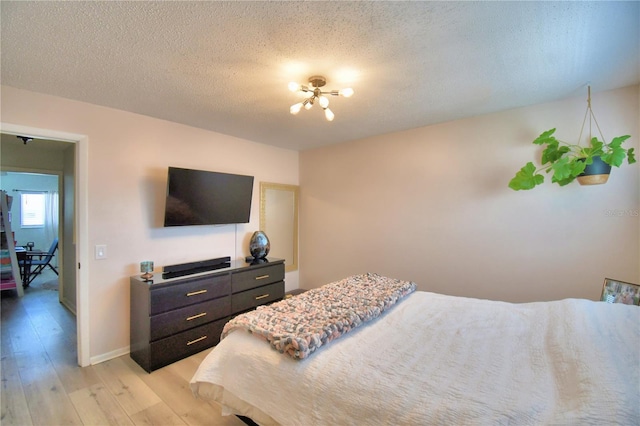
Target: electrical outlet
<point>101,251</point>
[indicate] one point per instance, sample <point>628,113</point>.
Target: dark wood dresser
<point>175,317</point>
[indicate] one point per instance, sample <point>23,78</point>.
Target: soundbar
<point>218,262</point>
<point>176,274</point>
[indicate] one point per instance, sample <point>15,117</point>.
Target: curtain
<point>51,217</point>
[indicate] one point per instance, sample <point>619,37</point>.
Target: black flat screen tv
<point>198,197</point>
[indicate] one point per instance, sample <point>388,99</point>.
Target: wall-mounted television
<point>199,197</point>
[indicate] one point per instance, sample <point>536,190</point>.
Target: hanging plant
<point>568,161</point>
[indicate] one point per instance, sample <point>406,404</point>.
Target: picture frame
<point>615,291</point>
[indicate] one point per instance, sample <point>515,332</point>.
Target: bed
<point>412,357</point>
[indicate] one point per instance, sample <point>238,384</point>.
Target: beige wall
<point>432,205</point>
<point>128,155</point>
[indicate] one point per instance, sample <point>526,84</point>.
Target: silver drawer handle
<point>262,297</point>
<point>262,277</point>
<point>196,341</point>
<point>196,316</point>
<point>194,293</point>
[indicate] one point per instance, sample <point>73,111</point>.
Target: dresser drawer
<point>176,347</point>
<point>257,296</point>
<point>189,292</point>
<point>173,322</point>
<point>255,277</point>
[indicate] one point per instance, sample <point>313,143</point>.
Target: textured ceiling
<point>225,66</point>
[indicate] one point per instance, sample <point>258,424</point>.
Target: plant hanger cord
<point>590,113</point>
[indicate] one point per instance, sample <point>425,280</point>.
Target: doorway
<point>37,211</point>
<point>73,222</point>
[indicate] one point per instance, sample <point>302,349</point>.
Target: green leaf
<point>565,170</point>
<point>617,141</point>
<point>615,157</point>
<point>596,148</point>
<point>577,167</point>
<point>545,137</point>
<point>551,153</point>
<point>631,158</point>
<point>561,170</point>
<point>526,178</point>
<point>564,182</point>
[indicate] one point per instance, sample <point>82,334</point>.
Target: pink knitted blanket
<point>300,325</point>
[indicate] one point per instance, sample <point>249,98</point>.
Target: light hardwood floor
<point>43,385</point>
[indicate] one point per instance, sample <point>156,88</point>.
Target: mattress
<point>438,359</point>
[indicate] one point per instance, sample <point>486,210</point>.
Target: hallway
<point>43,385</point>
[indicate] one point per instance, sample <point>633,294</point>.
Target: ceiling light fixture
<point>25,139</point>
<point>316,95</point>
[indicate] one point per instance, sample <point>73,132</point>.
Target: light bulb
<point>294,87</point>
<point>295,108</point>
<point>347,93</point>
<point>329,114</point>
<point>324,101</point>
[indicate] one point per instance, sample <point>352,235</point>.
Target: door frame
<point>81,224</point>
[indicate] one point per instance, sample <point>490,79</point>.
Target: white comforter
<point>436,359</point>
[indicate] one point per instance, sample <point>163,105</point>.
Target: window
<point>32,210</point>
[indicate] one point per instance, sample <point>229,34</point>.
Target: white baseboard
<point>70,306</point>
<point>109,355</point>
